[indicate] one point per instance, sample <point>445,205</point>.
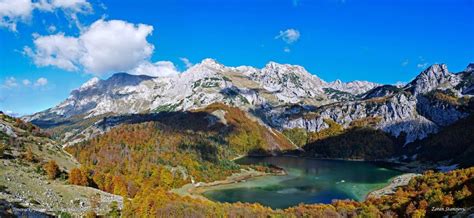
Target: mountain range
<point>146,139</point>
<point>280,97</point>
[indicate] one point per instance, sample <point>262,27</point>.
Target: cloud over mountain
<point>157,69</point>
<point>104,47</point>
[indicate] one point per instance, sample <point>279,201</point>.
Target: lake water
<point>308,181</point>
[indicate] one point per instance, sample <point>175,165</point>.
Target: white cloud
<point>186,62</point>
<point>115,46</point>
<point>14,11</point>
<point>157,69</point>
<point>104,47</point>
<point>10,82</point>
<point>56,50</point>
<point>287,50</point>
<point>289,36</point>
<point>422,65</point>
<point>26,82</point>
<point>41,81</point>
<point>69,6</point>
<point>405,63</point>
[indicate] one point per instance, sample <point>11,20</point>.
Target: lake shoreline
<point>404,167</point>
<point>391,188</point>
<point>196,190</point>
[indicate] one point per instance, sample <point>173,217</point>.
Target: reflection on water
<point>308,181</point>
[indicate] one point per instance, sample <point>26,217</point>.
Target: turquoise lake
<point>307,181</point>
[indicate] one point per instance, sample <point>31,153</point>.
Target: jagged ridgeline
<point>374,121</point>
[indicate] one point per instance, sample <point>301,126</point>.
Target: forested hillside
<point>455,143</point>
<point>174,150</point>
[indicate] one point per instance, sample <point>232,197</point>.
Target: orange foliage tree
<point>52,169</point>
<point>78,177</point>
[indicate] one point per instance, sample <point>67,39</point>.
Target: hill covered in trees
<point>175,149</point>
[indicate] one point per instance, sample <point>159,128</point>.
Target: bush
<point>78,177</point>
<point>52,169</point>
<point>3,147</point>
<point>29,156</point>
<point>114,210</point>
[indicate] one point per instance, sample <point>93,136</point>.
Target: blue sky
<point>381,41</point>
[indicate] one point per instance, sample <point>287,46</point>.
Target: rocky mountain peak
<point>469,68</point>
<point>284,68</point>
<point>337,82</point>
<point>355,87</point>
<point>90,83</point>
<point>437,69</point>
<point>435,76</point>
<point>211,63</point>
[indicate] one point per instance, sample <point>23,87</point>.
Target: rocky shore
<point>396,182</point>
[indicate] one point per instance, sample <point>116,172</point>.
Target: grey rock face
<point>442,114</point>
<point>469,68</point>
<point>397,114</point>
<point>312,125</point>
<point>381,91</point>
<point>7,130</point>
<point>435,77</point>
<point>354,87</point>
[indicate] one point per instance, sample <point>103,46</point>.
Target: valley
<point>200,142</point>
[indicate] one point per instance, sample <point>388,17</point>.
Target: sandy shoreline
<point>195,190</point>
<point>396,182</point>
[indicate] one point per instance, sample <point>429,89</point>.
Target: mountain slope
<point>25,189</point>
<point>143,149</point>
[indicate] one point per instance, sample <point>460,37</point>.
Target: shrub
<point>29,156</point>
<point>3,147</point>
<point>78,177</point>
<point>52,169</point>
